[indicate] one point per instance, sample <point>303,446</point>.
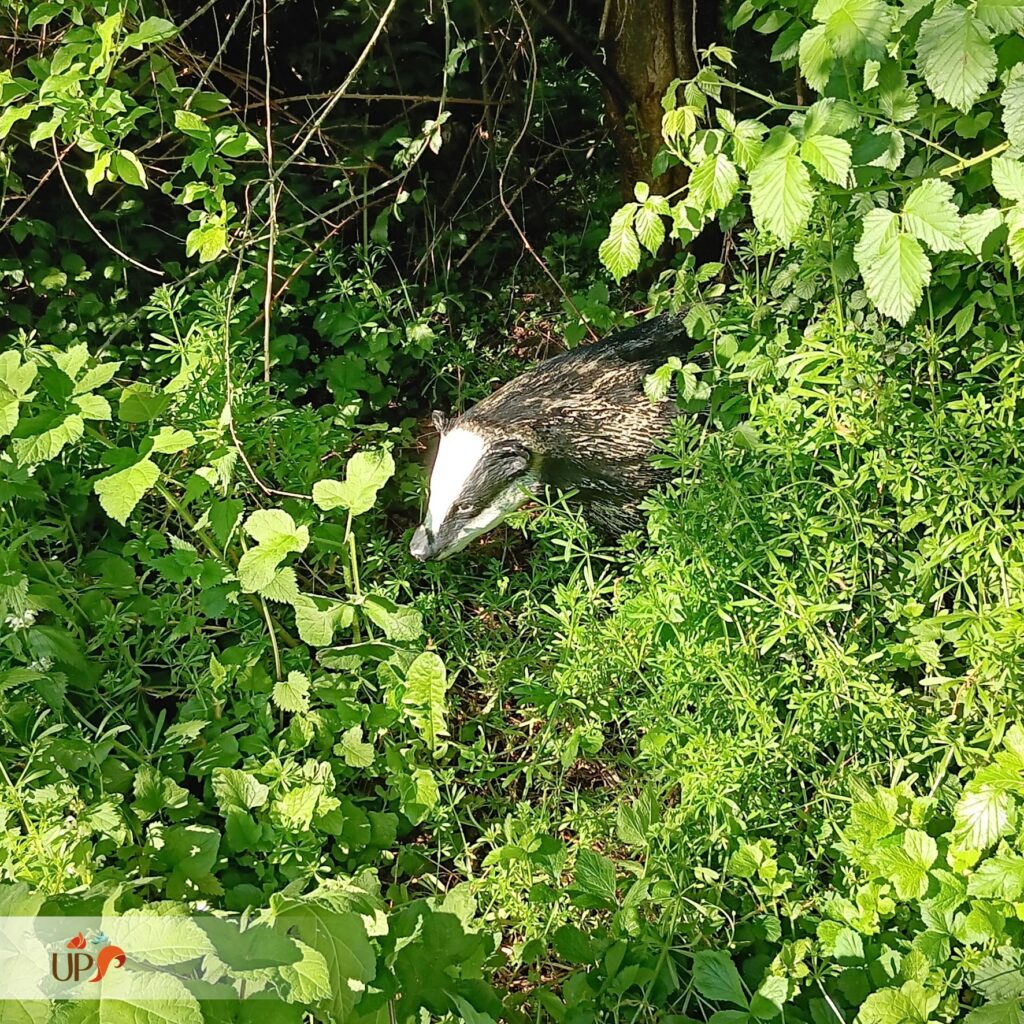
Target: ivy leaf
<point>1001,15</point>
<point>292,694</point>
<point>120,492</point>
<point>816,57</point>
<point>715,977</point>
<point>277,536</point>
<point>1008,178</point>
<point>930,216</point>
<point>894,267</point>
<point>956,57</point>
<point>829,156</point>
<point>365,474</point>
<point>982,815</point>
<point>426,684</point>
<point>855,29</point>
<point>620,251</point>
<point>781,196</point>
<point>714,181</point>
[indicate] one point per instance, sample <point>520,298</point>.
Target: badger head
<point>479,476</point>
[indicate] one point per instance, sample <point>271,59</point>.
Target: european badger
<point>578,421</point>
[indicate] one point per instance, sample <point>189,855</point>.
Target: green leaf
<point>907,1005</point>
<point>829,156</point>
<point>140,403</point>
<point>120,492</point>
<point>1001,15</point>
<point>1000,978</point>
<point>982,815</point>
<point>397,622</point>
<point>237,790</point>
<point>309,979</point>
<point>95,378</point>
<point>894,267</point>
<point>872,819</point>
<point>98,171</point>
<point>191,124</point>
<point>168,440</point>
<point>207,241</point>
<point>715,977</point>
<point>595,876</point>
<point>770,998</point>
<point>152,30</point>
<point>1013,107</point>
<point>277,536</point>
<point>48,444</point>
<point>426,684</point>
<point>955,56</point>
<point>714,182</point>
<point>365,474</point>
<point>292,694</point>
<point>999,877</point>
<point>146,997</point>
<point>418,793</point>
<point>907,865</point>
<point>855,29</point>
<point>620,251</point>
<point>930,216</point>
<point>128,168</point>
<point>1008,178</point>
<point>162,939</point>
<point>816,57</point>
<point>317,619</point>
<point>93,407</point>
<point>747,143</point>
<point>650,229</point>
<point>976,227</point>
<point>353,750</point>
<point>781,196</point>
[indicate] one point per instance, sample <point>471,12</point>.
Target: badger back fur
<point>579,421</point>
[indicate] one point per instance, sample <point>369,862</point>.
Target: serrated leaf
<point>1001,15</point>
<point>816,57</point>
<point>715,977</point>
<point>318,620</point>
<point>1013,107</point>
<point>426,684</point>
<point>956,57</point>
<point>93,407</point>
<point>48,444</point>
<point>747,143</point>
<point>829,156</point>
<point>620,251</point>
<point>894,267</point>
<point>146,997</point>
<point>292,694</point>
<point>277,536</point>
<point>120,492</point>
<point>999,877</point>
<point>714,181</point>
<point>237,790</point>
<point>781,196</point>
<point>1008,178</point>
<point>855,29</point>
<point>650,229</point>
<point>907,865</point>
<point>168,440</point>
<point>930,216</point>
<point>365,474</point>
<point>595,876</point>
<point>976,227</point>
<point>982,815</point>
<point>283,588</point>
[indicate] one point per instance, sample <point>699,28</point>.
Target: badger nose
<point>419,547</point>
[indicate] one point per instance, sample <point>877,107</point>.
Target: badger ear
<point>439,420</point>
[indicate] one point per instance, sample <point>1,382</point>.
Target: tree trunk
<point>647,44</point>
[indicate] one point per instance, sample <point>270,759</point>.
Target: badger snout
<point>419,546</point>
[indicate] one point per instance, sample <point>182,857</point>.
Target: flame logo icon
<point>78,942</point>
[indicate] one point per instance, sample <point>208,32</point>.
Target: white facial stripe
<point>507,501</point>
<point>458,455</point>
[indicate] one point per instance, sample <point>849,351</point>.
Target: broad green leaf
<point>49,443</point>
<point>93,407</point>
<point>999,877</point>
<point>976,227</point>
<point>872,819</point>
<point>283,588</point>
<point>1001,15</point>
<point>1015,239</point>
<point>237,790</point>
<point>930,216</point>
<point>829,156</point>
<point>277,536</point>
<point>982,815</point>
<point>191,124</point>
<point>317,619</point>
<point>907,865</point>
<point>956,57</point>
<point>146,997</point>
<point>426,684</point>
<point>855,29</point>
<point>128,168</point>
<point>816,57</point>
<point>152,30</point>
<point>595,876</point>
<point>650,228</point>
<point>715,977</point>
<point>1013,107</point>
<point>397,621</point>
<point>309,979</point>
<point>365,474</point>
<point>770,997</point>
<point>906,1005</point>
<point>168,440</point>
<point>140,403</point>
<point>418,793</point>
<point>120,492</point>
<point>292,694</point>
<point>72,360</point>
<point>894,267</point>
<point>162,939</point>
<point>207,241</point>
<point>95,378</point>
<point>781,196</point>
<point>1008,178</point>
<point>353,750</point>
<point>620,251</point>
<point>747,143</point>
<point>1000,978</point>
<point>714,181</point>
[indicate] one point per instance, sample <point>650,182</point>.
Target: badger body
<point>578,421</point>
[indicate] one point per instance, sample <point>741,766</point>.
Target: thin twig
<point>95,230</point>
<point>272,216</point>
<point>400,97</point>
<point>28,199</point>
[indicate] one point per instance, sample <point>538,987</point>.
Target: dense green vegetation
<point>765,762</point>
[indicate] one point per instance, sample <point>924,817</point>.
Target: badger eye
<point>464,510</point>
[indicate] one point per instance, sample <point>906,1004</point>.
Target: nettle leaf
<point>277,536</point>
<point>956,57</point>
<point>929,215</point>
<point>829,156</point>
<point>1001,15</point>
<point>715,977</point>
<point>816,57</point>
<point>1008,178</point>
<point>1013,107</point>
<point>292,694</point>
<point>855,29</point>
<point>781,196</point>
<point>595,877</point>
<point>120,492</point>
<point>982,815</point>
<point>620,251</point>
<point>426,684</point>
<point>365,474</point>
<point>714,181</point>
<point>893,265</point>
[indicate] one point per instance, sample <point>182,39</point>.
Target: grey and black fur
<point>579,421</point>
